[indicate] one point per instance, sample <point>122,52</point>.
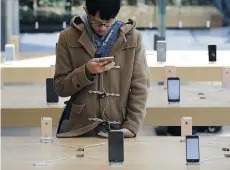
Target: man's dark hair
<point>108,9</point>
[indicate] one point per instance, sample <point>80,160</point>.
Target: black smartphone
<point>212,53</point>
<point>51,95</point>
<point>173,87</point>
<point>192,149</point>
<point>116,146</point>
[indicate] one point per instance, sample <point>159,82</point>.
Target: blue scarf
<point>105,43</point>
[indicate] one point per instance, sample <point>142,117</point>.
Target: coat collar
<point>87,44</point>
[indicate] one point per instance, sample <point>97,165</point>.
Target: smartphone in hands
<point>103,59</point>
<point>107,62</point>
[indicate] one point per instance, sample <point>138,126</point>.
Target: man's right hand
<point>95,67</point>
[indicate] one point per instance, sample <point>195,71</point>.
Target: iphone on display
<point>173,85</point>
<point>192,149</point>
<point>161,51</point>
<point>116,147</point>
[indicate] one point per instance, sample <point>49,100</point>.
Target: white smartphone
<point>173,86</point>
<point>192,149</point>
<point>186,126</point>
<point>109,59</point>
<point>46,128</point>
<point>161,51</point>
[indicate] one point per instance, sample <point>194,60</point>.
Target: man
<point>102,97</point>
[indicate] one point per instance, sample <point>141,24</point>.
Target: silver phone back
<point>161,51</point>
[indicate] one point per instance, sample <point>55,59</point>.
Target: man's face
<point>101,27</point>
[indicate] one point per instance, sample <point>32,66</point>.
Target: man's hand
<point>127,133</point>
<point>97,66</point>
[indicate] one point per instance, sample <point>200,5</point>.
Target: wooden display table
<point>164,153</point>
<point>25,105</point>
<point>190,66</point>
<point>34,70</point>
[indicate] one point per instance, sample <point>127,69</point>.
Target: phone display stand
<point>182,139</point>
<point>212,62</point>
<point>161,62</point>
<point>174,103</point>
<point>116,164</point>
<point>46,140</point>
<point>42,163</point>
<point>192,163</point>
<point>52,104</point>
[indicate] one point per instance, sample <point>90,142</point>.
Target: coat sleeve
<point>68,80</point>
<point>140,84</point>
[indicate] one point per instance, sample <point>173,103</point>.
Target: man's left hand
<point>127,133</point>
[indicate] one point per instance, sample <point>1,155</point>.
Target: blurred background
<point>192,23</point>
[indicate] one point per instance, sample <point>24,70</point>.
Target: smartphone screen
<point>173,85</point>
<point>192,149</point>
<point>116,147</point>
<point>51,95</point>
<point>212,53</point>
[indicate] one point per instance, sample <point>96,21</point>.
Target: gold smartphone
<point>46,128</point>
<point>226,77</point>
<point>15,41</point>
<point>186,126</point>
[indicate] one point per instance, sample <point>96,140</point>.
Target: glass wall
<point>54,15</point>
